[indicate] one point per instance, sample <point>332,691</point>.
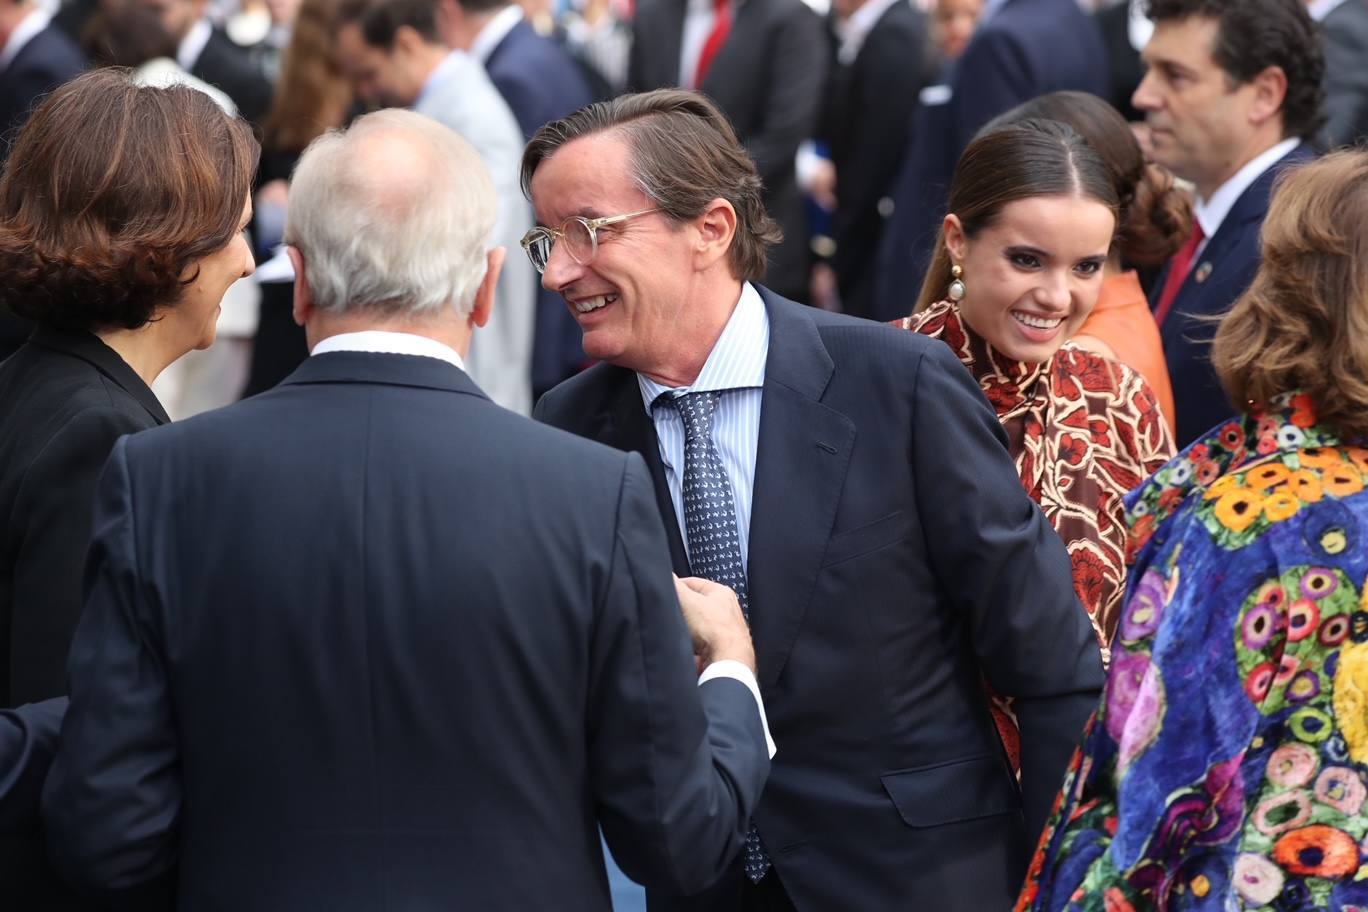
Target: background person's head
<point>177,16</point>
<point>1155,215</point>
<point>388,48</point>
<point>388,225</point>
<point>1227,80</point>
<point>1030,222</point>
<point>122,207</point>
<point>662,281</point>
<point>952,25</point>
<point>1303,323</point>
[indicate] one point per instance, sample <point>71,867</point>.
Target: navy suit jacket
<point>894,563</point>
<point>541,82</point>
<point>1028,48</point>
<point>1219,276</point>
<point>368,641</point>
<point>49,59</point>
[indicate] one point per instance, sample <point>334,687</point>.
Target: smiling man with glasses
<point>853,486</point>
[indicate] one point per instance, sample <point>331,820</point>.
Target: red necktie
<point>1178,272</point>
<point>716,38</point>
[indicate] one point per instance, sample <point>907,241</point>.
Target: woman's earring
<point>956,290</point>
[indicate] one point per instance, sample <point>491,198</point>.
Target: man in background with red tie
<point>764,62</point>
<point>1232,92</point>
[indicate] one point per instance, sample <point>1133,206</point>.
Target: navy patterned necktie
<point>710,526</point>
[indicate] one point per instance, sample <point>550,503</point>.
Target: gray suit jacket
<point>1345,38</point>
<point>460,96</point>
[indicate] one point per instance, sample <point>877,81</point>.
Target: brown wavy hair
<point>112,192</point>
<point>685,154</point>
<point>1303,323</point>
<point>313,95</point>
<point>1156,216</point>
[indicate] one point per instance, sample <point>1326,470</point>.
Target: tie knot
<point>696,410</point>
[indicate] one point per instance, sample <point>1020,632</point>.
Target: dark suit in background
<point>1221,274</point>
<point>1027,48</point>
<point>868,104</point>
<point>894,563</point>
<point>1123,60</point>
<point>227,66</point>
<point>1344,38</point>
<point>49,59</point>
<point>65,398</point>
<point>541,83</point>
<point>368,641</point>
<point>768,79</point>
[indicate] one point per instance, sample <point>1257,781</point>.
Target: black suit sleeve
<point>113,796</point>
<point>55,501</point>
<point>28,739</point>
<point>797,73</point>
<point>1007,571</point>
<point>675,783</point>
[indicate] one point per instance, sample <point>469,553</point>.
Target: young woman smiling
<point>1017,269</point>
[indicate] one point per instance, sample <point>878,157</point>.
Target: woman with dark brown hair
<point>121,216</point>
<point>1155,218</point>
<point>1227,765</point>
<point>1017,269</point>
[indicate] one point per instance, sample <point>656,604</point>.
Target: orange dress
<point>1122,320</point>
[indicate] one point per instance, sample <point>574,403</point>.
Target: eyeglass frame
<point>592,225</point>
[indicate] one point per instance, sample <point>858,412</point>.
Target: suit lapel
<point>626,426</point>
<point>801,462</point>
<point>671,46</point>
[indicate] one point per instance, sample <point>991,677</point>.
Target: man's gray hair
<point>392,215</point>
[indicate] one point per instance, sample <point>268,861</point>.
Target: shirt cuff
<point>730,668</point>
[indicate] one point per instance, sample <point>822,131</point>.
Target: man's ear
<point>716,231</point>
<point>406,40</point>
<point>484,296</point>
<point>1270,92</point>
<point>303,307</point>
<point>956,241</point>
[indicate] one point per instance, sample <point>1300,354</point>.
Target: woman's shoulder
<point>1080,373</point>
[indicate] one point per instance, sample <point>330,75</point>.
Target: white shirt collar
<point>1139,27</point>
<point>192,45</point>
<point>1319,9</point>
<point>23,33</point>
<point>990,9</point>
<point>1212,212</point>
<point>737,361</point>
<point>855,29</point>
<point>390,343</point>
<point>442,74</point>
<point>495,31</point>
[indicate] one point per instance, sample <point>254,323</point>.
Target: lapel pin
<point>1203,272</point>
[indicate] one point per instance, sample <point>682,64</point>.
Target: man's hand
<point>715,622</point>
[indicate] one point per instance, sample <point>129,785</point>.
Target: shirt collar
<point>390,343</point>
<point>991,8</point>
<point>1319,9</point>
<point>1139,27</point>
<point>855,29</point>
<point>737,361</point>
<point>192,45</point>
<point>1212,212</point>
<point>23,33</point>
<point>441,75</point>
<point>495,31</point>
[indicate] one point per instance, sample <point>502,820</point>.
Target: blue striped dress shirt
<point>736,367</point>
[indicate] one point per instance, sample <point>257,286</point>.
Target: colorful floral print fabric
<point>1227,766</point>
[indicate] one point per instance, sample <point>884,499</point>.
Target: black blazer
<point>227,66</point>
<point>1344,37</point>
<point>390,647</point>
<point>65,397</point>
<point>767,79</point>
<point>49,59</point>
<point>1220,275</point>
<point>864,122</point>
<point>894,563</point>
